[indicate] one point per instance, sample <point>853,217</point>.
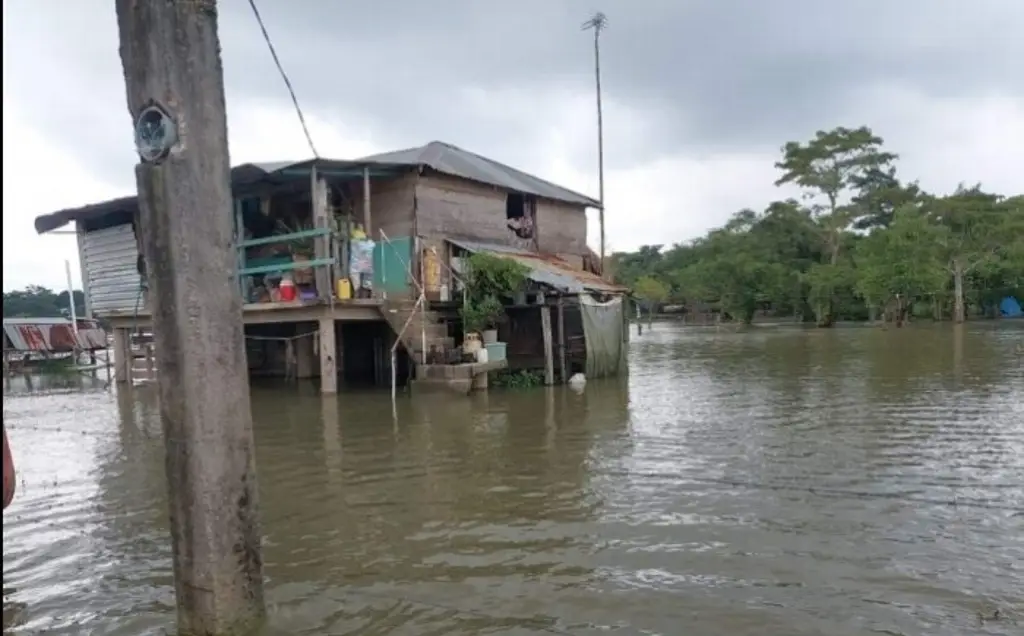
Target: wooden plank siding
<point>561,228</point>
<point>392,206</point>
<point>448,207</point>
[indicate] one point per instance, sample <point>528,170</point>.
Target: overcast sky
<point>699,97</point>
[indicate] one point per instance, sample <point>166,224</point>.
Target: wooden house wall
<point>524,338</point>
<point>561,228</point>
<point>392,205</point>
<point>460,209</point>
<point>448,207</point>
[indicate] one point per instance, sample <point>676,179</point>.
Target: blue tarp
<point>1010,308</point>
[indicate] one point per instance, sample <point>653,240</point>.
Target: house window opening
<point>520,211</point>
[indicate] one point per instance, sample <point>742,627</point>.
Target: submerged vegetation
<point>522,379</point>
<point>860,243</point>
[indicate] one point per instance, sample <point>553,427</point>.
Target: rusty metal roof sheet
<point>452,160</point>
<point>47,334</point>
<point>547,269</point>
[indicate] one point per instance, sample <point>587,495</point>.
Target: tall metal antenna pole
<point>597,23</point>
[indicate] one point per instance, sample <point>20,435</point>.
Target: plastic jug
<point>344,289</point>
<point>287,290</point>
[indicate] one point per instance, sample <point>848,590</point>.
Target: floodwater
<point>777,481</point>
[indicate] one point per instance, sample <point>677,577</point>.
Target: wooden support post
<point>122,356</point>
<point>291,361</point>
<point>328,355</point>
<point>562,374</point>
<point>170,52</point>
<point>243,288</point>
<point>321,244</point>
<point>549,362</point>
<point>305,357</point>
<point>366,202</point>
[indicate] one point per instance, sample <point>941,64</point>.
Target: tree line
<point>36,301</point>
<point>859,244</point>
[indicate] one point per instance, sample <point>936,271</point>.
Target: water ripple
<point>772,481</point>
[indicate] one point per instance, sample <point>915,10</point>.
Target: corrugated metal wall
<point>111,259</point>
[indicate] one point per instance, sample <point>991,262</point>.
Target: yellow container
<point>431,271</point>
<point>343,289</point>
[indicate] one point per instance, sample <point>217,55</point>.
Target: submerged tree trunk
<point>959,309</point>
<point>825,313</point>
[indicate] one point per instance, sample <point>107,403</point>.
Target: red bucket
<point>287,289</point>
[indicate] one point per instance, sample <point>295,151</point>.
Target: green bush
<point>488,278</point>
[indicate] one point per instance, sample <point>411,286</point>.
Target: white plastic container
<point>481,355</point>
<point>472,343</point>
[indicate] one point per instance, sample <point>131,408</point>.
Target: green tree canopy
<point>858,237</point>
<point>40,302</point>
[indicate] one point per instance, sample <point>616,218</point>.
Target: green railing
<point>282,265</point>
<point>284,238</point>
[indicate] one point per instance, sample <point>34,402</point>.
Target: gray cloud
<point>707,76</point>
<point>711,73</point>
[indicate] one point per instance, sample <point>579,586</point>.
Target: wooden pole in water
<point>561,340</point>
<point>549,362</point>
<point>170,52</point>
<point>71,297</point>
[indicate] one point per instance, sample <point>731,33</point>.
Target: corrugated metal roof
<point>452,160</point>
<point>242,176</point>
<point>547,269</point>
<point>436,155</point>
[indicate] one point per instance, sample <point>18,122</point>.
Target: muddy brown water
<point>778,481</point>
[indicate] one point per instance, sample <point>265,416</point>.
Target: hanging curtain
<point>603,327</point>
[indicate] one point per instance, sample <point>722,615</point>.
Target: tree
<point>861,240</point>
<point>899,263</point>
<point>36,301</point>
<point>828,168</point>
<point>879,194</point>
<point>653,292</point>
<point>631,266</point>
<point>970,224</point>
<point>736,270</point>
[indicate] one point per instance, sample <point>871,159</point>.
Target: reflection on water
<point>769,482</point>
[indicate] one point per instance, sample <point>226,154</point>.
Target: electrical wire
<point>284,76</point>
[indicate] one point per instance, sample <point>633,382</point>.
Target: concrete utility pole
<point>597,23</point>
<point>170,52</point>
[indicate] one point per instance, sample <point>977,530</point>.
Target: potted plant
<point>480,315</point>
<point>489,278</point>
